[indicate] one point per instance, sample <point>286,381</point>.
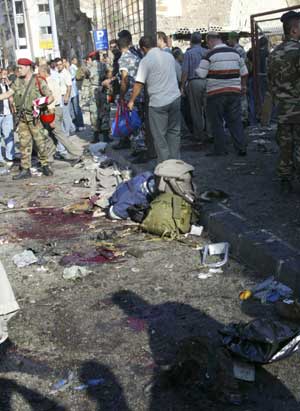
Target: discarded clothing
<point>261,341</point>
<point>270,291</point>
<point>137,191</point>
<point>24,259</point>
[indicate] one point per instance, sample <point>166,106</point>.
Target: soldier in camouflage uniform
<point>30,129</point>
<point>284,80</point>
<point>96,74</point>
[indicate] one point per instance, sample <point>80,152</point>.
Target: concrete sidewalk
<point>262,225</point>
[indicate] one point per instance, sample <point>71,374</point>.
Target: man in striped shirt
<point>226,75</point>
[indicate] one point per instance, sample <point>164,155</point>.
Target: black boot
<point>106,137</point>
<point>46,170</point>
<point>24,173</point>
<point>286,187</point>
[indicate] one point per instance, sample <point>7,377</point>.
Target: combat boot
<point>24,173</point>
<point>46,170</point>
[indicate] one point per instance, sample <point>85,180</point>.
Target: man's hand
<point>130,105</point>
<point>66,100</point>
<point>244,90</point>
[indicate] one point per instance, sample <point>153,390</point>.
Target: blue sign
<point>101,39</point>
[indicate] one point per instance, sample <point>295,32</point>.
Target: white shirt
<point>54,87</point>
<point>65,80</point>
<point>157,71</point>
<point>6,108</point>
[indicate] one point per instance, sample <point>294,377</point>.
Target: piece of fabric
<point>165,125</point>
<point>223,67</point>
<point>192,59</point>
<point>8,303</point>
<point>226,108</point>
<point>157,71</point>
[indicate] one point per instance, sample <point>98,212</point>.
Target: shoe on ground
<point>289,312</point>
<point>242,153</point>
<point>23,175</point>
<point>46,170</point>
<point>286,187</point>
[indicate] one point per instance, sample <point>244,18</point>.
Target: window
<point>21,30</point>
<point>19,7</point>
<point>45,30</point>
<point>43,8</point>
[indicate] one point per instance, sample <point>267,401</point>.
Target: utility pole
<point>28,26</point>
<point>150,24</point>
<point>10,27</point>
<point>56,51</point>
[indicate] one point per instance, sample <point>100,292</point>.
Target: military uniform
<point>30,129</point>
<point>96,76</point>
<point>284,81</point>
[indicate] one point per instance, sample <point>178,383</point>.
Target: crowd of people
<point>205,95</point>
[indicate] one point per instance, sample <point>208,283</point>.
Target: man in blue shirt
<point>193,86</point>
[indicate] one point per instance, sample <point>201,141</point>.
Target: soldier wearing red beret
<point>25,90</point>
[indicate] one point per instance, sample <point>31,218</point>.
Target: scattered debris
<point>204,276</point>
<point>220,250</point>
<point>97,148</point>
<point>11,203</point>
<point>196,230</point>
<point>63,384</point>
<point>90,383</point>
<point>24,259</point>
<point>74,272</point>
<point>261,341</point>
<point>269,291</point>
<point>83,182</point>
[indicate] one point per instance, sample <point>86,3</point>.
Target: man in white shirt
<point>65,80</point>
<point>76,113</point>
<point>157,71</point>
<point>6,122</point>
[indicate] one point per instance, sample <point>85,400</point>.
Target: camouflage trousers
<point>288,139</point>
<point>100,112</point>
<point>30,133</point>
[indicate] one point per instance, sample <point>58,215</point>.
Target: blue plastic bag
<point>126,122</point>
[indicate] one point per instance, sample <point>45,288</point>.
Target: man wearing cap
<point>284,83</point>
<point>194,86</point>
<point>233,41</point>
<point>27,88</point>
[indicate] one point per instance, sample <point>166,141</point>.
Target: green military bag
<point>169,216</point>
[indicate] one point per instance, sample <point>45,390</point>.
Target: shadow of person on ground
<point>109,394</point>
<point>170,323</point>
<point>37,401</point>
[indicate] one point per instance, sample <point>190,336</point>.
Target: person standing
<point>233,41</point>
<point>6,122</point>
<point>65,81</point>
<point>76,113</point>
<point>284,82</point>
<point>27,88</point>
<point>226,75</point>
<point>162,42</point>
<point>66,149</point>
<point>193,86</point>
<point>157,71</point>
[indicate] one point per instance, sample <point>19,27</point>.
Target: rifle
<point>21,110</point>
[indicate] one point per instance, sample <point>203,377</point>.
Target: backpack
<point>137,191</point>
<point>175,176</point>
<point>169,216</point>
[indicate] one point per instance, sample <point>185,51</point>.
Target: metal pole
<point>16,26</point>
<point>28,26</point>
<point>56,51</point>
<point>10,27</point>
<point>150,22</point>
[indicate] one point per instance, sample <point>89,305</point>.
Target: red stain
<point>51,224</point>
<point>98,256</point>
<point>136,324</point>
